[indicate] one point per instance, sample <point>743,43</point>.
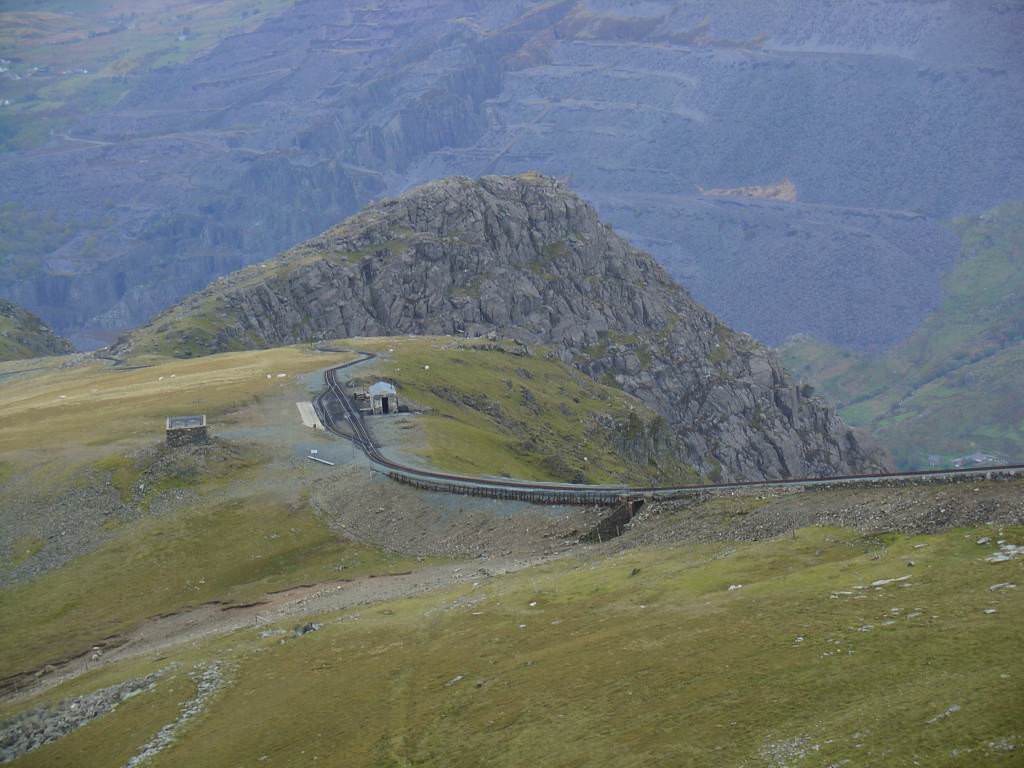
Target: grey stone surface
<point>528,258</point>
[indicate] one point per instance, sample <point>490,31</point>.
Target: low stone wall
<point>188,436</point>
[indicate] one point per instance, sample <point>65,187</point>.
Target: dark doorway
<point>385,405</point>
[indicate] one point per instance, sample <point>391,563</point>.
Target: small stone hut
<point>383,398</point>
<point>186,430</point>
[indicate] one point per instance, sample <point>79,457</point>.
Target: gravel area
<point>371,508</point>
<point>908,509</point>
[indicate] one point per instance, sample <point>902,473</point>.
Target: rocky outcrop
<point>527,258</point>
<point>22,335</point>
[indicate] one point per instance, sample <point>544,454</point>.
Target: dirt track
<point>162,633</point>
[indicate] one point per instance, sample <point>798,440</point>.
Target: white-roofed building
<point>383,398</point>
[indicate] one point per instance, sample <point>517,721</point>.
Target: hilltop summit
<point>527,258</point>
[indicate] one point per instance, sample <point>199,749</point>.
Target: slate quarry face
<point>527,258</point>
<point>888,119</point>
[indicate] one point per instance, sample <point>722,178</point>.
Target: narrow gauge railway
<point>336,411</point>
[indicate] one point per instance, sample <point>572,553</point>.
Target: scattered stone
<point>951,709</point>
<point>305,629</point>
<point>1002,745</point>
<point>884,582</point>
<point>735,586</point>
<point>208,682</point>
<point>1006,552</point>
<point>984,540</point>
<point>42,725</point>
<point>454,680</point>
<point>989,611</point>
<point>1002,585</point>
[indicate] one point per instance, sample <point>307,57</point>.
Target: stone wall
<point>187,436</point>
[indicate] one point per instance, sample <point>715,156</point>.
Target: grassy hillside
<point>67,59</point>
<point>23,335</point>
<point>166,532</point>
<point>502,409</point>
<point>954,386</point>
<point>780,652</point>
<point>151,531</point>
<point>645,659</point>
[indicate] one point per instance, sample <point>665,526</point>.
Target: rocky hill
<point>525,257</point>
<point>888,118</point>
<point>22,335</point>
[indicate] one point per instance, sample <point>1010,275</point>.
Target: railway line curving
<point>341,418</point>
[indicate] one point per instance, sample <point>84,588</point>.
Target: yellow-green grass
<point>94,404</point>
<point>545,428</point>
<point>218,548</point>
<point>233,551</point>
<point>645,659</point>
<point>245,532</point>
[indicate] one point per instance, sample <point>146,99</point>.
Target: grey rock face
<point>526,257</point>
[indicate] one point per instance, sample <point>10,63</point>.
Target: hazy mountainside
<point>22,334</point>
<point>65,59</point>
<point>954,387</point>
<point>870,110</point>
<point>529,259</point>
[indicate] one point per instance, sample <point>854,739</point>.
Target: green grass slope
<point>503,409</point>
<point>23,335</point>
<point>173,530</point>
<point>244,525</point>
<point>650,658</point>
<point>954,386</point>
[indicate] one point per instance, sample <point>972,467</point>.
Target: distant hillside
<point>526,257</point>
<point>887,117</point>
<point>954,387</point>
<point>22,334</point>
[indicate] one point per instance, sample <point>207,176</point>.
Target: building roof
<point>186,422</point>
<point>382,388</point>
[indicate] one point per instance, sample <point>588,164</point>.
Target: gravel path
<point>164,633</point>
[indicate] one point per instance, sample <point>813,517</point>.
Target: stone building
<point>383,398</point>
<point>186,430</point>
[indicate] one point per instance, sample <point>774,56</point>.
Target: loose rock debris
<point>950,710</point>
<point>42,725</point>
<point>208,681</point>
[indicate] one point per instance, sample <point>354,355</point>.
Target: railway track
<point>342,418</point>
